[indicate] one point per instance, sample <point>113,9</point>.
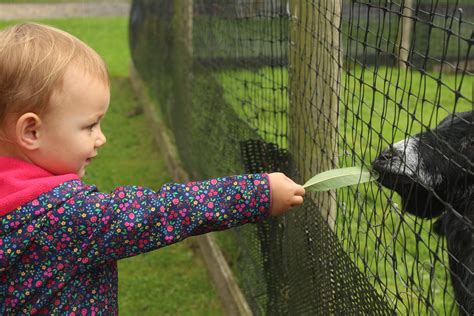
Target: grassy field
<point>173,280</point>
<point>378,106</point>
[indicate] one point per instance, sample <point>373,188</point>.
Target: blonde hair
<point>33,60</point>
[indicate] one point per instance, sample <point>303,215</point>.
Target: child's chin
<point>81,172</point>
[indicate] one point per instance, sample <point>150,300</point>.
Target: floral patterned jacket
<point>58,251</point>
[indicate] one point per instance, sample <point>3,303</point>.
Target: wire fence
<point>305,86</point>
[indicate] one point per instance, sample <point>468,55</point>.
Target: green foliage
<point>338,178</point>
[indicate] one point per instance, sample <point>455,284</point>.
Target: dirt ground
<point>38,11</point>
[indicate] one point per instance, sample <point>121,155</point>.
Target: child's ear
<point>27,131</point>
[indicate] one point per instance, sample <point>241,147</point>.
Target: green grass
<point>370,227</point>
<point>107,35</point>
<point>387,107</point>
<point>172,280</point>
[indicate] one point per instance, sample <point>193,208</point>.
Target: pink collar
<point>21,182</point>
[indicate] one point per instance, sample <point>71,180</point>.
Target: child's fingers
<point>296,200</point>
<point>300,190</point>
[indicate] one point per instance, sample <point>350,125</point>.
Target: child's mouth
<point>89,160</point>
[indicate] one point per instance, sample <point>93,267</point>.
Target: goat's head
<point>433,167</point>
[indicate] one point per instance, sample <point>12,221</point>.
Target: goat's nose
<point>388,154</point>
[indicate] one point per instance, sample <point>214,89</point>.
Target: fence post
<point>405,33</point>
<point>183,22</point>
<point>314,71</point>
<point>232,299</point>
<point>182,53</point>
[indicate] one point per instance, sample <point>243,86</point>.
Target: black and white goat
<point>434,174</point>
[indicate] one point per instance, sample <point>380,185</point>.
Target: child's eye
<point>91,127</point>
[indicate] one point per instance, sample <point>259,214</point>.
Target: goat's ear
<point>27,131</point>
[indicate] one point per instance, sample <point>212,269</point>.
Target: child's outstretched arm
<point>286,194</point>
<point>132,220</point>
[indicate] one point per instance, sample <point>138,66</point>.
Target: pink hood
<point>21,182</point>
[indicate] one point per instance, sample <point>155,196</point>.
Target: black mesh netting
<point>305,86</point>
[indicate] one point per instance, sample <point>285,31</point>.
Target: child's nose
<point>101,139</point>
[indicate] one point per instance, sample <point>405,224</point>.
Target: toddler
<point>60,239</point>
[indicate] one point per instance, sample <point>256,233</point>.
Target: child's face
<point>71,127</point>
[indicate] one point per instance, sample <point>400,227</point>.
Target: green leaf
<point>338,178</point>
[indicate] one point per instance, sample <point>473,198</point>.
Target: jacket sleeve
<point>132,220</point>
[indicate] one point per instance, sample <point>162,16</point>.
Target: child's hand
<point>285,193</point>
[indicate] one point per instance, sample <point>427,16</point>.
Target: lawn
<point>173,280</point>
<point>378,107</point>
